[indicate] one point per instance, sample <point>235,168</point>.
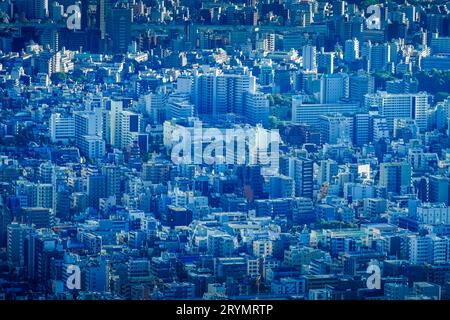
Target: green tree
<point>273,122</point>
<point>58,77</point>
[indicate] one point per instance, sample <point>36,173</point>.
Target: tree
<point>58,77</point>
<point>273,122</point>
<point>23,136</point>
<point>441,96</point>
<point>271,100</point>
<point>435,82</point>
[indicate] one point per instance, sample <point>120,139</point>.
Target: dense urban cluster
<point>90,99</point>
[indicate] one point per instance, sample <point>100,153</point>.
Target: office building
<point>62,128</point>
<point>391,106</point>
<point>256,108</point>
<point>309,55</point>
<point>304,112</point>
<point>121,19</point>
<point>395,177</point>
<point>96,189</point>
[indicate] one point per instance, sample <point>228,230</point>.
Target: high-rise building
<point>336,128</point>
<point>281,187</point>
<point>301,171</point>
<point>304,112</point>
<point>114,118</point>
<point>105,17</point>
<point>50,38</point>
<point>325,62</point>
<point>405,128</point>
<point>328,170</point>
<point>282,80</point>
<point>5,220</point>
<point>309,53</point>
<point>87,123</point>
<point>95,275</point>
<point>84,11</point>
<point>121,17</point>
<point>184,84</point>
<point>156,105</point>
<point>42,247</point>
<point>252,181</point>
<point>205,92</point>
<point>113,180</point>
<point>266,73</point>
<point>391,106</point>
<point>216,93</point>
<point>427,249</point>
<point>266,42</point>
<point>92,146</point>
<point>361,84</point>
<point>262,248</point>
<point>179,106</point>
<point>395,176</point>
<point>406,85</point>
<point>39,9</point>
<point>130,122</point>
<point>334,87</point>
<point>15,250</point>
<point>47,63</point>
<point>351,50</point>
<point>44,195</point>
<point>292,40</point>
<point>379,56</point>
<point>46,172</point>
<point>378,128</point>
<point>96,189</point>
<point>26,192</point>
<point>39,217</point>
<point>124,124</point>
<point>395,291</point>
<point>256,108</point>
<point>220,245</point>
<point>61,202</point>
<point>440,45</point>
<point>155,172</point>
<point>361,128</point>
<point>438,187</point>
<point>374,207</point>
<point>62,128</point>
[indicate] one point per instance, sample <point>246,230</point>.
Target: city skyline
<point>209,150</point>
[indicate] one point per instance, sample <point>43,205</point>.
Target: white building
<point>256,108</point>
<point>184,84</point>
<point>88,123</point>
<point>93,146</point>
<point>351,50</point>
<point>179,106</point>
<point>62,128</point>
<point>309,55</point>
<point>288,286</point>
<point>433,214</point>
<point>15,251</point>
<point>44,195</point>
<point>334,87</point>
<point>309,113</point>
<point>262,248</point>
<point>155,106</point>
<point>125,123</point>
<point>440,45</point>
<point>428,249</point>
<point>391,106</point>
<point>358,191</point>
<point>336,128</point>
<point>218,93</point>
